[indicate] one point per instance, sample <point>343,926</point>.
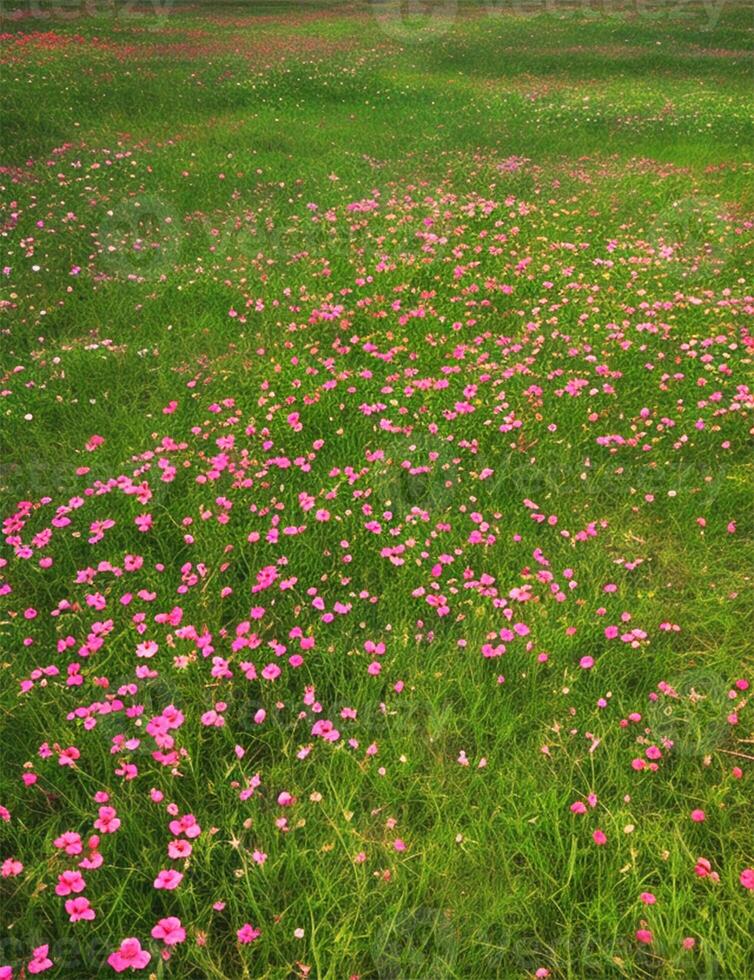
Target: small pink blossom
<point>129,955</point>
<point>247,933</point>
<point>79,909</point>
<point>169,930</point>
<point>168,880</point>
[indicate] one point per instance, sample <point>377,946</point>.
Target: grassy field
<point>375,459</point>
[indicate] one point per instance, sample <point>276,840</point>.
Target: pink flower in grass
<point>178,849</point>
<point>247,933</point>
<point>168,880</point>
<point>599,837</point>
<point>40,960</point>
<point>644,936</point>
<point>108,821</point>
<point>11,868</point>
<point>70,842</point>
<point>70,882</point>
<point>79,908</point>
<point>129,954</point>
<point>747,878</point>
<point>169,930</point>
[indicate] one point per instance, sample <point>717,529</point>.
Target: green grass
<point>596,159</point>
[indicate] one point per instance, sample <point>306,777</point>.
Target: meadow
<point>376,419</point>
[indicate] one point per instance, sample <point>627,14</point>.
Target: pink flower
<point>698,816</point>
<point>599,837</point>
<point>70,882</point>
<point>107,822</point>
<point>703,869</point>
<point>70,842</point>
<point>178,849</point>
<point>40,960</point>
<point>11,868</point>
<point>79,908</point>
<point>187,825</point>
<point>648,898</point>
<point>169,930</point>
<point>168,880</point>
<point>644,936</point>
<point>747,878</point>
<point>130,954</point>
<point>247,933</point>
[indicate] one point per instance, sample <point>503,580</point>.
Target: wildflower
<point>169,930</point>
<point>79,909</point>
<point>40,961</point>
<point>168,880</point>
<point>247,933</point>
<point>129,955</point>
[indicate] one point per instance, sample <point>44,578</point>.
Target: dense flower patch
<point>417,547</point>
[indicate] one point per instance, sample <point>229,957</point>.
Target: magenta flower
<point>747,878</point>
<point>169,930</point>
<point>108,821</point>
<point>168,880</point>
<point>247,933</point>
<point>70,842</point>
<point>178,849</point>
<point>70,882</point>
<point>79,908</point>
<point>40,960</point>
<point>11,868</point>
<point>129,955</point>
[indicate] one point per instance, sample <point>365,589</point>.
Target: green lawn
<point>375,430</point>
